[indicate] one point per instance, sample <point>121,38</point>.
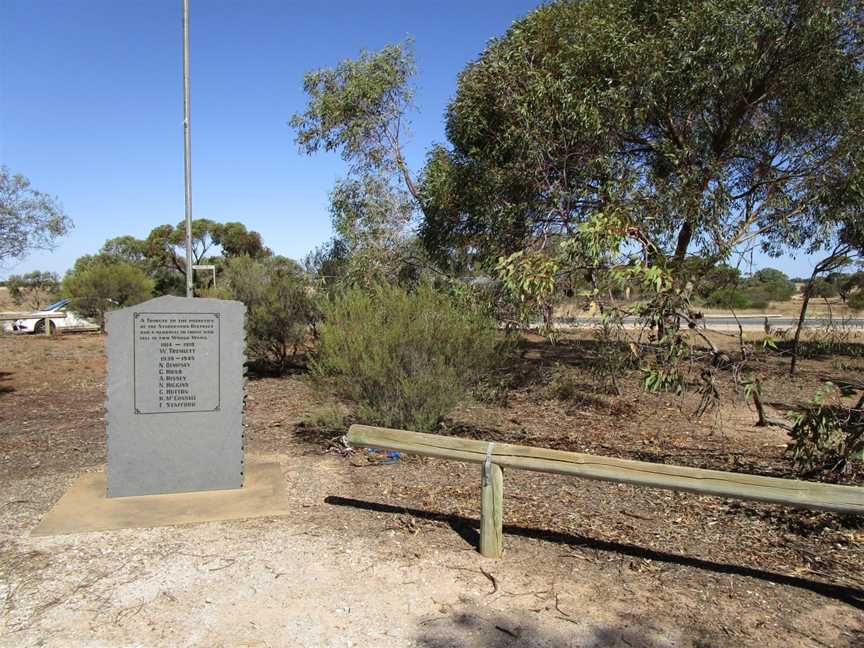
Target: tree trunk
<point>764,420</point>
<point>834,261</point>
<point>684,236</point>
<point>808,292</point>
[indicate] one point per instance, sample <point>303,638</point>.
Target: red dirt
<point>721,572</point>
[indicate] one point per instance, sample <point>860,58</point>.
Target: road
<point>748,322</point>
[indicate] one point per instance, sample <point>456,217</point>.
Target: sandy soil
<point>383,555</point>
<point>301,581</point>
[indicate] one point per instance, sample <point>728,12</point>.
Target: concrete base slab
<point>86,507</point>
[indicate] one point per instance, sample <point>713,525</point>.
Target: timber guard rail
<point>14,317</point>
<point>494,456</point>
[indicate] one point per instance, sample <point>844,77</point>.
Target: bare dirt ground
<point>383,555</point>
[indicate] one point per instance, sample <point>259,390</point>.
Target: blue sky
<point>91,106</point>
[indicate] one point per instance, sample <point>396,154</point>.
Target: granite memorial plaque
<point>175,396</point>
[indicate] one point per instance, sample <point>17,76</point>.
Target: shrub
<point>727,297</point>
<point>563,383</point>
<point>828,433</point>
<point>739,298</point>
<point>824,288</point>
<point>279,306</point>
<point>98,284</point>
<point>757,298</point>
<point>406,358</point>
<point>614,355</point>
<point>769,285</point>
<point>332,419</point>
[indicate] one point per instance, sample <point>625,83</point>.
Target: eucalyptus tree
<point>161,255</point>
<point>360,108</point>
<point>372,217</point>
<point>29,219</point>
<point>99,283</point>
<point>617,138</point>
<point>703,127</point>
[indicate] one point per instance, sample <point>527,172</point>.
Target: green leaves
<point>658,379</point>
<point>697,120</point>
<point>102,284</point>
<point>828,433</point>
<point>35,289</point>
<point>531,278</point>
<point>357,106</point>
<point>279,303</point>
<point>406,358</point>
<point>29,219</point>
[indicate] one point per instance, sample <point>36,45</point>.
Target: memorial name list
<point>176,362</point>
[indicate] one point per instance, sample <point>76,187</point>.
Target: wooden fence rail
<point>494,456</point>
<point>26,316</point>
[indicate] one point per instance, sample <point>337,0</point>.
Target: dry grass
<point>6,303</point>
<point>817,308</point>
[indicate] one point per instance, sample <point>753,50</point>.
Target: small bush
<point>769,285</point>
<point>738,298</point>
<point>279,307</point>
<point>836,338</point>
<point>406,358</point>
<point>494,389</point>
<point>727,297</point>
<point>614,355</point>
<point>563,386</point>
<point>856,300</point>
<point>757,299</point>
<point>828,434</point>
<point>98,284</point>
<point>756,292</point>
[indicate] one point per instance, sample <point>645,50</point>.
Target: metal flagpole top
<point>187,150</point>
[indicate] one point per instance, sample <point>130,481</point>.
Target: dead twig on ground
<point>482,571</point>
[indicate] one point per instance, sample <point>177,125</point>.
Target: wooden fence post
<point>491,511</point>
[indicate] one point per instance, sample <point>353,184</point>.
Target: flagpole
<point>187,150</point>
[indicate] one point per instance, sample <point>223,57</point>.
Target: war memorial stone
<point>175,396</point>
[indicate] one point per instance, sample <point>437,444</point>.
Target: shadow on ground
<point>257,369</point>
<point>467,528</point>
<point>480,629</point>
<point>476,627</point>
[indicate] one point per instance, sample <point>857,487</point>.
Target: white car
<point>37,324</point>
